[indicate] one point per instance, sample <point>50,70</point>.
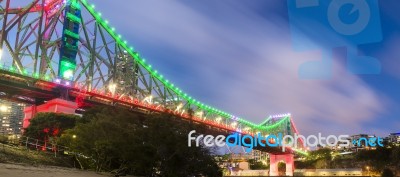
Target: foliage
<point>257,165</point>
<point>396,157</point>
<point>387,173</point>
<point>320,158</point>
<point>307,164</point>
<point>149,145</point>
<point>3,139</point>
<point>282,167</point>
<point>46,125</point>
<point>378,158</point>
<point>18,155</point>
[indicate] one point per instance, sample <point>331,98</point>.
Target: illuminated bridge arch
<point>64,48</point>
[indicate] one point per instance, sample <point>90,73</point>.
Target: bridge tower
<point>276,158</point>
<point>68,49</point>
<point>69,40</point>
<point>287,127</point>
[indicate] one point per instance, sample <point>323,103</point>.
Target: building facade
<point>394,138</point>
<point>11,117</point>
<point>259,156</point>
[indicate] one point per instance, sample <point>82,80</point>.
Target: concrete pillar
<point>29,112</point>
<point>275,159</point>
<point>273,165</point>
<point>56,105</point>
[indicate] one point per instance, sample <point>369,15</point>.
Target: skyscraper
<point>11,116</point>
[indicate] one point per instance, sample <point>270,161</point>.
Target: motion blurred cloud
<point>236,58</point>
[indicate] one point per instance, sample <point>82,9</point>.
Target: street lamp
<point>73,136</point>
<point>367,170</point>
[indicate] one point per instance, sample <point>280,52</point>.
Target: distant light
<point>199,114</point>
<point>234,124</point>
<point>68,74</point>
<point>112,88</point>
<point>148,99</point>
<point>67,83</point>
<point>3,108</point>
<point>74,136</point>
<point>58,81</point>
<point>280,115</point>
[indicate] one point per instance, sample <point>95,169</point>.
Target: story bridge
<point>62,56</point>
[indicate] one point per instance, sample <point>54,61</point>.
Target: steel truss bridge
<point>65,49</point>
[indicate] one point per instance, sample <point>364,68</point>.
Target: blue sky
<point>238,56</point>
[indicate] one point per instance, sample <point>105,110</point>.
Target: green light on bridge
<point>135,55</point>
<point>67,69</point>
<point>68,74</point>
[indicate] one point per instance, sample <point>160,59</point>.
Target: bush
<point>387,173</point>
<point>3,139</point>
<point>144,145</point>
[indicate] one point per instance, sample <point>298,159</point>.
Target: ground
<point>18,161</point>
<point>17,170</point>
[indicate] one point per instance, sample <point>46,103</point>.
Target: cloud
<point>242,62</point>
<point>391,56</point>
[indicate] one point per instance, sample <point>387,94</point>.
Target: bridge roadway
<point>20,88</point>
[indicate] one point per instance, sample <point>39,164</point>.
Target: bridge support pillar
<point>56,105</point>
<point>275,159</point>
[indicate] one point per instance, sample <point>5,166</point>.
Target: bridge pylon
<point>274,161</point>
<point>56,105</point>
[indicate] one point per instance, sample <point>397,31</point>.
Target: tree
<point>165,137</point>
<point>105,135</point>
<point>321,158</point>
<point>396,157</point>
<point>3,139</point>
<point>387,173</point>
<point>147,145</point>
<point>282,168</point>
<point>378,159</point>
<point>50,125</point>
<point>257,165</point>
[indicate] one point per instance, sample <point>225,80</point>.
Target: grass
<point>22,155</point>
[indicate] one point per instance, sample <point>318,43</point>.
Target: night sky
<point>238,56</point>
